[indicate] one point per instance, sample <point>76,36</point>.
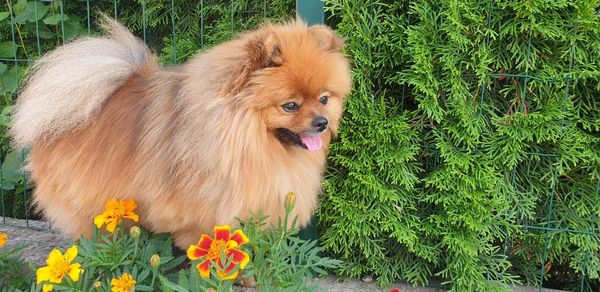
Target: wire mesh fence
<point>178,29</point>
<point>550,226</point>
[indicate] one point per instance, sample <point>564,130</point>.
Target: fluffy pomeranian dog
<point>230,132</point>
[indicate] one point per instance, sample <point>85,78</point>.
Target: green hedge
<point>469,152</point>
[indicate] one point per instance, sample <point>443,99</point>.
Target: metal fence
<point>549,227</point>
<point>48,24</point>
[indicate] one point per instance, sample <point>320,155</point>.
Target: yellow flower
<point>47,288</point>
<point>113,212</point>
<point>124,284</point>
<point>3,237</point>
<point>59,265</point>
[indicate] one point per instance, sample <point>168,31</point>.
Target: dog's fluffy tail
<point>67,87</point>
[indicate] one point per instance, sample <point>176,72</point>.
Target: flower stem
<point>18,32</point>
<point>135,250</point>
<point>154,272</point>
<point>288,211</point>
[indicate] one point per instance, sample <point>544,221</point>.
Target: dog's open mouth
<point>309,142</point>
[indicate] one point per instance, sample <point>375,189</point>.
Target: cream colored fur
<point>68,86</point>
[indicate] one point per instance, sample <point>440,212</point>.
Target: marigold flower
<point>124,284</point>
<point>155,261</point>
<point>113,212</point>
<point>47,288</point>
<point>135,231</point>
<point>3,237</point>
<point>59,265</point>
<point>210,250</point>
<point>290,201</point>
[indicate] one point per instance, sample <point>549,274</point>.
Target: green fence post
<point>313,12</point>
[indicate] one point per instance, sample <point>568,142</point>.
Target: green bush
<point>471,134</point>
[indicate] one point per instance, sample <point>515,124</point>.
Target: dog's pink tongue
<point>313,143</point>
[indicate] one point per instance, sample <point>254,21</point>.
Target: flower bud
<point>97,285</point>
<point>290,201</point>
<point>155,261</point>
<point>135,231</point>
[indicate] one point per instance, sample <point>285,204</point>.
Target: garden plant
<point>121,256</point>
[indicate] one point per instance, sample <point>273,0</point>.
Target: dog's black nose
<point>320,123</point>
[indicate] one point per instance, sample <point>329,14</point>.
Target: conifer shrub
<point>469,152</point>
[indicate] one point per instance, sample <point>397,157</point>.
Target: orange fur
<point>194,145</point>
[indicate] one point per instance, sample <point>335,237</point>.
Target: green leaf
<point>7,185</point>
<point>13,161</point>
<point>168,284</point>
<point>55,19</point>
<point>11,170</point>
<point>73,28</point>
<point>4,15</point>
<point>7,49</point>
<point>41,30</point>
<point>33,12</point>
<point>6,110</point>
<point>3,68</point>
<point>4,120</point>
<point>19,7</point>
<point>10,80</point>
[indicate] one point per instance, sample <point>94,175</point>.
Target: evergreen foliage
<point>469,151</point>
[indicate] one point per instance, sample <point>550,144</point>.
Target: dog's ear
<point>260,51</point>
<point>263,51</point>
<point>326,38</point>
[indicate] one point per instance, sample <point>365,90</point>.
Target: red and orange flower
<point>210,251</point>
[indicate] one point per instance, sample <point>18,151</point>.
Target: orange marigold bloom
<point>210,250</point>
<point>59,265</point>
<point>113,212</point>
<point>124,284</point>
<point>3,237</point>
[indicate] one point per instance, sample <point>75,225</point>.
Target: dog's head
<point>297,78</point>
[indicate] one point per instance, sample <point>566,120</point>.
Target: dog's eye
<point>290,107</point>
<point>324,99</point>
